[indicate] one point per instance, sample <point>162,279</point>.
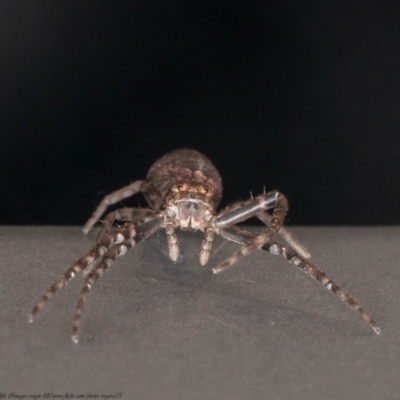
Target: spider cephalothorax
<point>190,205</point>
<point>183,189</point>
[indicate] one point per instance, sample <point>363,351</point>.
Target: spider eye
<point>205,190</point>
<point>179,187</point>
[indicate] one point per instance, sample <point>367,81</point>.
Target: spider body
<point>182,165</point>
<point>183,189</point>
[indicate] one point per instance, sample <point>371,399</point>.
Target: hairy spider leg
<point>266,218</point>
<point>133,234</point>
<point>275,200</point>
<point>254,206</point>
<point>245,237</point>
<point>293,242</point>
<point>110,199</point>
<point>172,240</point>
<point>206,246</point>
<point>124,215</point>
<point>84,262</point>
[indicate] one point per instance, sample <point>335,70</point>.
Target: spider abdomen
<point>184,165</point>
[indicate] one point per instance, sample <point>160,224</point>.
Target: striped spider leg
<point>144,187</point>
<point>110,199</point>
<point>273,200</point>
<point>251,241</point>
<point>123,215</point>
<point>266,218</point>
<point>107,248</point>
<point>293,242</point>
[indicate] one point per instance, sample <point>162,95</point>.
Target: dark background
<point>303,97</point>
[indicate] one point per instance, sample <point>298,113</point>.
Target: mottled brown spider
<point>183,189</point>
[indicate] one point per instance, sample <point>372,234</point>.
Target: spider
<point>183,189</point>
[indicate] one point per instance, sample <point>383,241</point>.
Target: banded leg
<point>84,263</point>
<point>252,207</point>
<point>251,244</point>
<point>242,236</point>
<point>287,235</point>
<point>206,246</point>
<point>122,214</point>
<point>93,276</point>
<point>172,242</point>
<point>112,198</point>
<point>134,236</point>
<point>276,222</point>
<point>266,218</point>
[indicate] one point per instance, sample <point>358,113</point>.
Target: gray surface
<point>155,330</point>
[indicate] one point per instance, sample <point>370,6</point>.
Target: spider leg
<point>266,218</point>
<point>112,198</point>
<point>132,235</point>
<point>244,237</point>
<point>254,206</point>
<point>253,243</point>
<point>206,246</point>
<point>85,262</point>
<point>287,235</point>
<point>172,241</point>
<point>122,214</point>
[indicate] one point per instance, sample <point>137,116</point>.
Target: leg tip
<point>75,339</point>
<point>30,318</point>
<point>377,330</point>
<point>174,255</point>
<point>216,270</point>
<point>203,261</point>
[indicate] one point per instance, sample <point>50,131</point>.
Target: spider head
<point>191,203</point>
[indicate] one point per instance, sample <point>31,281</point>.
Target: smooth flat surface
<point>156,330</point>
